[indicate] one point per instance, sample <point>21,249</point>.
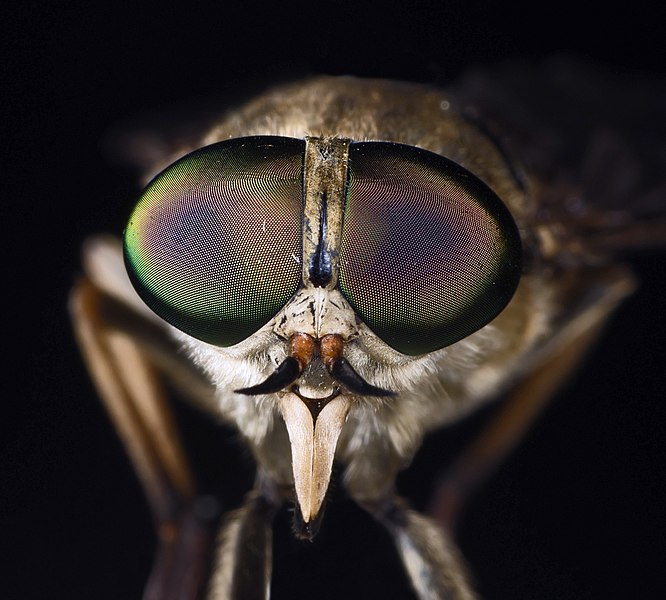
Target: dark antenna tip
<point>287,372</point>
<point>345,374</point>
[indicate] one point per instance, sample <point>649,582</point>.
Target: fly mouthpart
<point>287,372</point>
<point>303,348</point>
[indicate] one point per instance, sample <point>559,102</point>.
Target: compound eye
<point>214,244</point>
<point>429,254</point>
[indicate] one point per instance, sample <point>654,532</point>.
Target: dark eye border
<point>408,340</point>
<point>258,149</point>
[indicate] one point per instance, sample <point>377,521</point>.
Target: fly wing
<point>592,138</point>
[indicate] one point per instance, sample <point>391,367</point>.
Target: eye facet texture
<point>429,254</point>
<point>214,244</point>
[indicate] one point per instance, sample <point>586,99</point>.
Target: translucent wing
<point>593,138</point>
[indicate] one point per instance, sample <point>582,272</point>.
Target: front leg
<point>129,354</point>
<point>242,565</point>
<point>131,390</point>
<point>243,562</point>
<point>432,561</point>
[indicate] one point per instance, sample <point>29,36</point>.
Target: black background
<point>576,512</point>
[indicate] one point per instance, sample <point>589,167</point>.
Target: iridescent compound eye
<point>429,254</point>
<point>214,244</point>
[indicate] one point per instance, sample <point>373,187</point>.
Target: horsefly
<point>337,268</point>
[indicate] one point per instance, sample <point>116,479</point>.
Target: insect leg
<point>430,558</point>
<point>243,564</point>
<point>111,339</point>
<point>432,561</point>
<point>551,368</point>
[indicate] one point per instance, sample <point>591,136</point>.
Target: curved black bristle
<point>287,371</point>
<point>345,374</point>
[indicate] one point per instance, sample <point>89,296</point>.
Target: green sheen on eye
<point>429,254</point>
<point>214,244</point>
